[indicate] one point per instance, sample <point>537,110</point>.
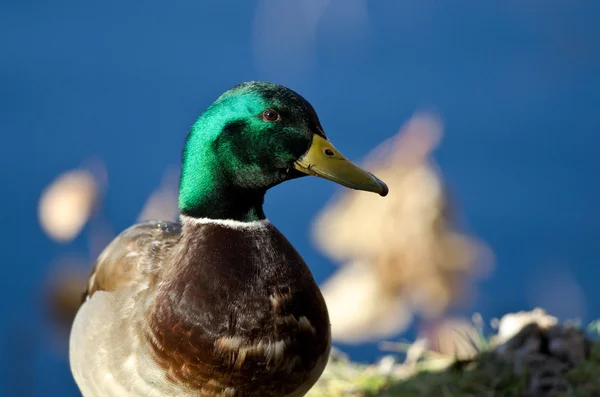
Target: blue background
<point>517,84</point>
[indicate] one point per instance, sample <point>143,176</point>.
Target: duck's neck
<point>206,191</point>
<point>223,204</point>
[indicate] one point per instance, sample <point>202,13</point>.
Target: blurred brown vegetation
<point>403,255</point>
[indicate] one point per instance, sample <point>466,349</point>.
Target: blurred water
<point>518,85</point>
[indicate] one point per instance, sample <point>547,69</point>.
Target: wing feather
<point>135,256</point>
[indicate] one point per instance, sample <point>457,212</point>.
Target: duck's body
<point>220,304</point>
<point>201,329</point>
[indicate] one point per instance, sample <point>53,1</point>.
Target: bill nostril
<point>329,152</point>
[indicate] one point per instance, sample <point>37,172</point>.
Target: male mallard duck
<point>220,304</point>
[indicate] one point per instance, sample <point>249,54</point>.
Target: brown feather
<point>120,264</point>
<point>247,315</point>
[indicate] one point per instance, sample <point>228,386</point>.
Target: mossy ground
<point>487,375</point>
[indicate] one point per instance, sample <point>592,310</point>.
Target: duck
<point>218,303</point>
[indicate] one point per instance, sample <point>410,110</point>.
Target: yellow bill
<point>323,160</point>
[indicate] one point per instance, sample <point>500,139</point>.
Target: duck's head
<point>253,137</point>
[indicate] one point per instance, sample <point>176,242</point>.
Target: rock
<point>513,323</point>
<point>569,344</point>
<point>538,346</point>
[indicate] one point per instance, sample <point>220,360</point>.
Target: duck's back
<point>214,311</point>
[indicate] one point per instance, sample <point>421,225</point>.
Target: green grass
<point>488,374</point>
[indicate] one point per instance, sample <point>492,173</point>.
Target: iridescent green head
<point>253,137</point>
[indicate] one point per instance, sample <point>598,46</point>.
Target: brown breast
<point>238,313</point>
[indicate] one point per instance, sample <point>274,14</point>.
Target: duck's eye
<point>270,115</point>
